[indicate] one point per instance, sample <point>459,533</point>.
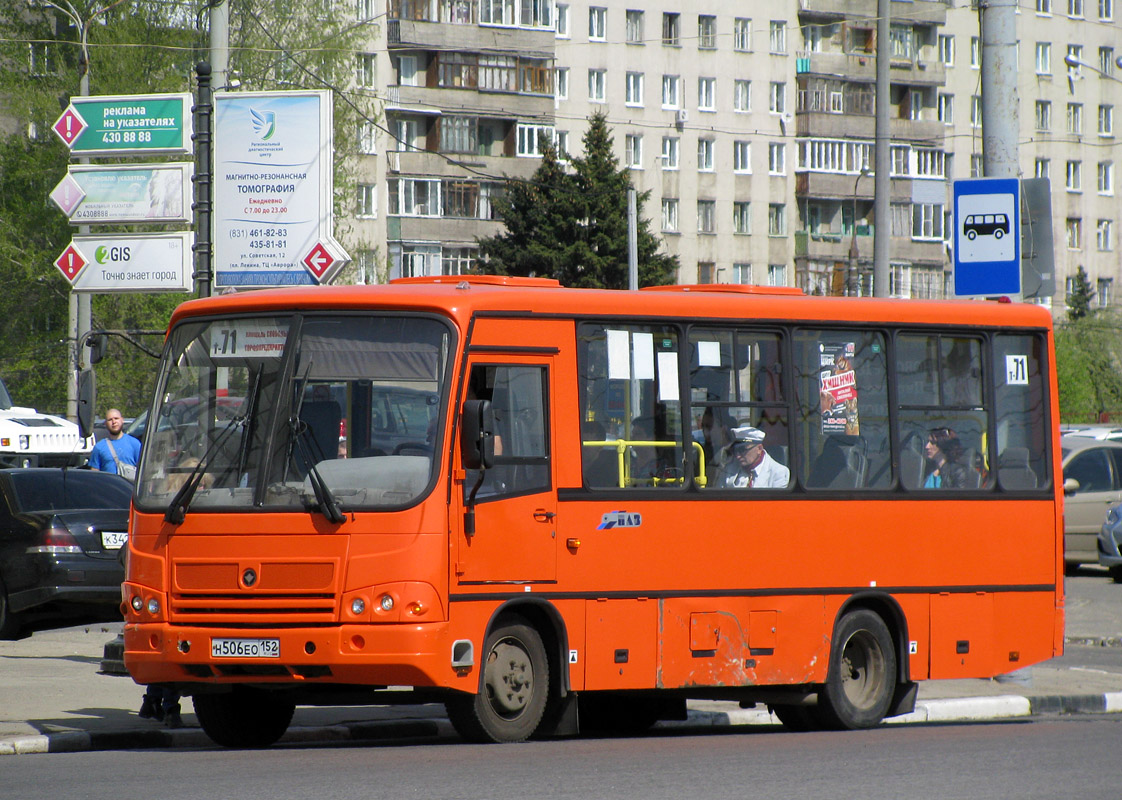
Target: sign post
<point>987,243</point>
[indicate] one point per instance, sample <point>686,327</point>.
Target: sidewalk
<point>53,699</point>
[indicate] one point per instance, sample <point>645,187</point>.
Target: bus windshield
<point>257,411</point>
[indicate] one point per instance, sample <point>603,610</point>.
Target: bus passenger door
<point>516,502</point>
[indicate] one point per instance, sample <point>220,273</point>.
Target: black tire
<point>246,718</point>
<point>1116,574</point>
<point>9,620</point>
<point>515,688</point>
<point>998,233</point>
<point>971,235</point>
<point>795,718</point>
<point>862,674</point>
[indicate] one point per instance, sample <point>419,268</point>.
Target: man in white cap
<point>751,467</point>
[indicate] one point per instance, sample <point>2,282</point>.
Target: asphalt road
<point>1046,758</point>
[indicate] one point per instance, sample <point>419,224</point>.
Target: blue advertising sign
<point>987,243</point>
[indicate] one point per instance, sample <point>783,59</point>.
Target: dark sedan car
<point>61,537</point>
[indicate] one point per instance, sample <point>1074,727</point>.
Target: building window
<point>706,216</point>
<point>704,155</point>
<point>742,273</point>
<point>562,17</point>
<point>976,166</point>
<point>671,28</point>
<point>411,197</point>
<point>975,111</point>
<point>528,138</point>
<point>39,62</point>
<point>742,157</point>
<point>706,31</point>
<point>495,12</point>
<point>596,80</point>
<point>1073,60</point>
<point>742,35</point>
<point>634,27</point>
<point>366,73</point>
<point>670,152</point>
<point>1103,291</point>
<point>705,94</point>
<point>1044,115</point>
<point>705,270</point>
<point>776,219</point>
<point>776,274</point>
<point>741,219</point>
<point>1075,118</point>
<point>777,36</point>
<point>1074,181</point>
<point>633,150</point>
<point>930,163</point>
<point>562,83</point>
<point>1044,7</point>
<point>367,201</point>
<point>1104,235</point>
<point>1106,9</point>
<point>670,215</point>
<point>1073,228</point>
<point>1106,120</point>
<point>777,97</point>
<point>1043,168</point>
<point>634,91</point>
<point>1043,58</point>
<point>946,109</point>
<point>946,49</point>
<point>458,260</point>
<point>927,221</point>
<point>597,24</point>
<point>367,142</point>
<point>1106,60</point>
<point>1075,8</point>
<point>670,91</point>
<point>900,156</point>
<point>742,96</point>
<point>776,158</point>
<point>901,39</point>
<point>1105,180</point>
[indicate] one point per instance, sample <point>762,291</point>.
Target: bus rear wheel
<point>861,679</point>
<point>515,688</point>
<point>244,717</point>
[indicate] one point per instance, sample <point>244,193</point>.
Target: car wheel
<point>861,678</point>
<point>244,717</point>
<point>1116,573</point>
<point>515,688</point>
<point>9,621</point>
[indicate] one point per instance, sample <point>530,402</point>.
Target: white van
<point>31,439</point>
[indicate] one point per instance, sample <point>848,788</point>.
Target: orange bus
<point>555,508</point>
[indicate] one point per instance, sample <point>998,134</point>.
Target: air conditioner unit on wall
<point>682,117</point>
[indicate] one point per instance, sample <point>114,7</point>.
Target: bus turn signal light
<point>572,543</point>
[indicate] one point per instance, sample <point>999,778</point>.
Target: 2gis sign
<point>127,125</point>
<point>152,262</point>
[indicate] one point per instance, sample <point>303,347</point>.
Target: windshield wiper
<point>328,505</point>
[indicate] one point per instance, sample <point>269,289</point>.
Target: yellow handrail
<point>623,467</point>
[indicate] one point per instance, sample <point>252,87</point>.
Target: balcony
<point>860,126</point>
<point>419,35</point>
<point>930,12</point>
<point>423,100</point>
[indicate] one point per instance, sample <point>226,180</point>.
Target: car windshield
<point>59,490</point>
<point>276,408</point>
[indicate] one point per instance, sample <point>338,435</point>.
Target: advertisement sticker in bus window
<point>1016,370</point>
<point>619,356</point>
<point>667,377</point>
<point>644,356</point>
<point>255,338</point>
<point>838,388</point>
<point>709,354</point>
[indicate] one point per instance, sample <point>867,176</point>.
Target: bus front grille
<point>244,608</point>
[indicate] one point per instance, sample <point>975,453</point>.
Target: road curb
<point>963,709</point>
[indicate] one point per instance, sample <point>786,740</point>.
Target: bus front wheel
<point>512,699</point>
<point>862,675</point>
<point>244,717</point>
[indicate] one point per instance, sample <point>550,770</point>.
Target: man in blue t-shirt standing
<point>117,452</point>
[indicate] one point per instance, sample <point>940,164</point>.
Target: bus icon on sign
<point>995,225</point>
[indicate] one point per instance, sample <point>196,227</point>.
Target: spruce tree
<point>1082,293</point>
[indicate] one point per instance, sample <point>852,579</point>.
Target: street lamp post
<point>853,272</point>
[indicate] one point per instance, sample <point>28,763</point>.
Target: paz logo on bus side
<point>620,519</point>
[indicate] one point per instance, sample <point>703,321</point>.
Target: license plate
<point>245,648</point>
<point>114,540</point>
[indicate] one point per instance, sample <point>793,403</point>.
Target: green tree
<point>1089,368</point>
<point>1079,300</point>
<point>572,226</point>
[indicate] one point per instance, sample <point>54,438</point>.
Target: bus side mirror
<point>478,435</point>
<point>87,402</point>
<point>97,344</point>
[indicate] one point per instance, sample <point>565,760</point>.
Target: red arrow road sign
<point>70,126</point>
<point>70,262</point>
<point>319,260</point>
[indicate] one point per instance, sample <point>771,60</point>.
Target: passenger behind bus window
<point>751,467</point>
<point>944,451</point>
<point>713,434</point>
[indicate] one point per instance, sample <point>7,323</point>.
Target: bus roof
<point>462,295</point>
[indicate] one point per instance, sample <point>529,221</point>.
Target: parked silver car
<point>1110,542</point>
<point>1092,483</point>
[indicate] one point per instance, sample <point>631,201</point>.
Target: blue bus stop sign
<point>987,237</point>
